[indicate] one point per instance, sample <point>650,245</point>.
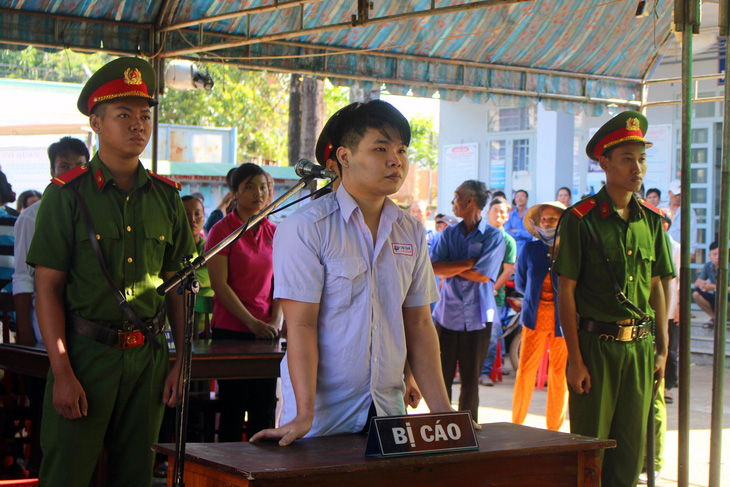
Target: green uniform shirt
<point>636,250</point>
<point>141,234</point>
<point>510,255</point>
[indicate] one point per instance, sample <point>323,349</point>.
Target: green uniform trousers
<point>617,406</point>
<point>124,393</point>
<point>660,428</point>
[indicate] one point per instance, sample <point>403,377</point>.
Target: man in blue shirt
<point>467,256</point>
<point>515,226</point>
<point>705,285</point>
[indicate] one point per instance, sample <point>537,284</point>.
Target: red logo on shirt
<point>403,249</point>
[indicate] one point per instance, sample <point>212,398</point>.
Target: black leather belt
<point>123,335</point>
<point>620,331</point>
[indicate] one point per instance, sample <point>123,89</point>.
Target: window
<point>707,109</point>
<point>512,119</point>
<point>520,155</point>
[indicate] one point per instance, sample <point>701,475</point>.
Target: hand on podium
<point>286,433</point>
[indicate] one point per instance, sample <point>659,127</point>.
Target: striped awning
<point>576,55</point>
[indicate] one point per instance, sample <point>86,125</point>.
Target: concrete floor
<point>496,406</point>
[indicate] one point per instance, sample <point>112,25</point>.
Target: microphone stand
<point>185,280</point>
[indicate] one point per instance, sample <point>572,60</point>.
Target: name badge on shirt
<point>421,433</point>
<point>402,249</point>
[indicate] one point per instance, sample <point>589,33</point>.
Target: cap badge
<point>632,124</point>
<point>132,76</point>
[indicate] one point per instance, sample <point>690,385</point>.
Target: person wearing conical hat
<point>109,379</point>
<point>612,360</point>
<point>541,326</point>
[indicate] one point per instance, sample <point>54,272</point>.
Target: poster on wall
<point>458,163</point>
<point>659,159</point>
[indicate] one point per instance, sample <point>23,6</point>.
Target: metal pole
<point>684,272</point>
<point>157,64</point>
<point>718,364</point>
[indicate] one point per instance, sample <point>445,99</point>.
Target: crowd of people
<point>379,310</point>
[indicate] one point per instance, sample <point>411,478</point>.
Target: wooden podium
<point>509,455</point>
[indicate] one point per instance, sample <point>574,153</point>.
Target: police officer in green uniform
<point>612,359</point>
<point>108,384</point>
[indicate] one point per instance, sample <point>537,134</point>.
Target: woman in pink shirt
<point>242,277</point>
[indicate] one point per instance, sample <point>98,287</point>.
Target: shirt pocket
<point>106,233</point>
<point>644,266</point>
<point>157,236</point>
<point>598,279</point>
<point>474,250</point>
<point>342,277</point>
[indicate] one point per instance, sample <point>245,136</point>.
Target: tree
<point>335,97</point>
<point>424,142</point>
<point>64,66</point>
<point>256,102</point>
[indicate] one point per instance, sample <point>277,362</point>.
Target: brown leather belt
<point>123,335</point>
<point>620,331</point>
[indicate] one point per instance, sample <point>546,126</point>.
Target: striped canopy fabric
<point>574,55</point>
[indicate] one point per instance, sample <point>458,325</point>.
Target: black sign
<point>421,433</point>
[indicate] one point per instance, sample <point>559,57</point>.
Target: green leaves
<point>424,147</point>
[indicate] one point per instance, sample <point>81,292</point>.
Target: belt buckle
<point>130,339</point>
<point>626,333</point>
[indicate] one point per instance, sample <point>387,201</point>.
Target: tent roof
<point>570,54</point>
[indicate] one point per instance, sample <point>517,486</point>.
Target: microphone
<point>305,169</point>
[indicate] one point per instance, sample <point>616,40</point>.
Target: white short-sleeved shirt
<point>24,275</point>
<point>324,253</point>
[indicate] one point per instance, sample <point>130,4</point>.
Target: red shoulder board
<point>583,207</point>
<point>652,208</point>
<point>165,180</point>
<point>69,176</point>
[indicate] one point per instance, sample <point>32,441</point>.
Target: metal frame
<point>153,38</point>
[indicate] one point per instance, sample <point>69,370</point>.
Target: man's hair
<point>499,194</point>
<point>522,191</point>
<point>714,245</point>
<point>570,193</point>
<point>348,126</point>
<point>66,145</point>
<point>478,190</point>
<point>497,201</point>
<point>99,109</point>
<point>244,172</point>
<point>654,190</point>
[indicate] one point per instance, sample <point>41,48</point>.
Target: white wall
<point>551,151</point>
<point>461,122</point>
